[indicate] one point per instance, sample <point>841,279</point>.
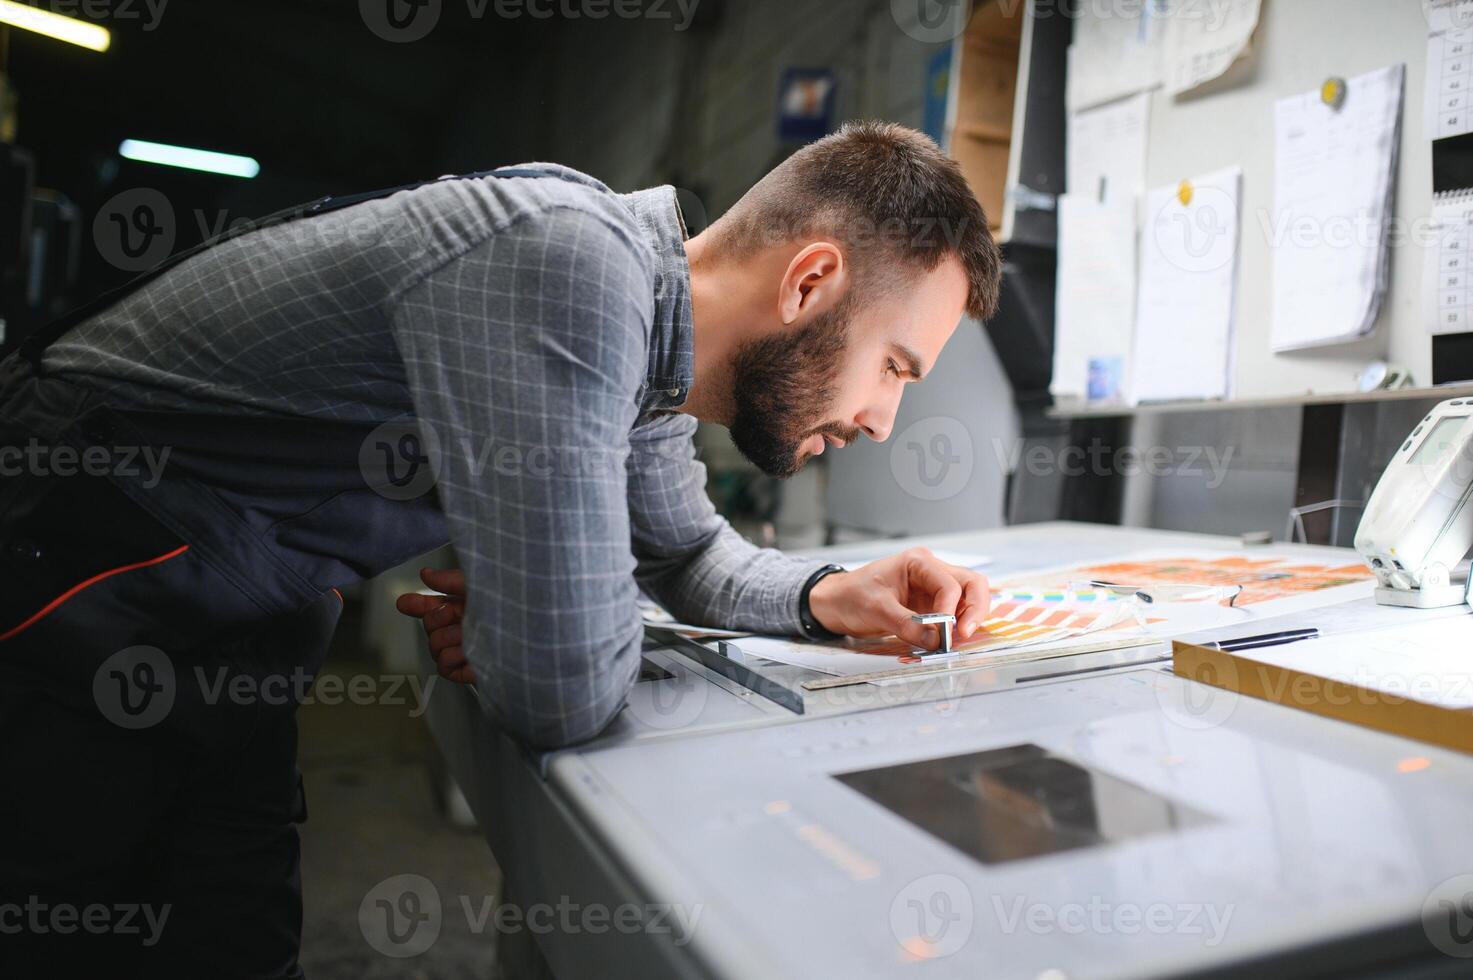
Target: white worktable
<point>713,799</point>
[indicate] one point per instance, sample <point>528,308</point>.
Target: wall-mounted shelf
<point>1309,398</point>
<point>1006,124</point>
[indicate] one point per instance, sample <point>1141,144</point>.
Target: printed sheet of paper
<point>1445,95</point>
<point>1105,152</point>
<point>1447,300</point>
<point>1115,52</point>
<point>1334,173</point>
<point>1184,308</point>
<point>1447,15</point>
<point>1203,38</point>
<point>1274,584</point>
<point>1012,624</point>
<point>1428,661</point>
<point>1094,302</point>
<point>1041,609</point>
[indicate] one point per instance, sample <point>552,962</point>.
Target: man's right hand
<point>441,615</point>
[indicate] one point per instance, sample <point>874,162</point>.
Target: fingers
<point>447,613</point>
<point>416,604</point>
<point>446,640</point>
<point>453,666</point>
<point>450,659</point>
<point>976,600</point>
<point>896,618</point>
<point>450,581</point>
<point>460,675</point>
<point>928,575</point>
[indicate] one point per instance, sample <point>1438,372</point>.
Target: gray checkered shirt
<point>540,329</point>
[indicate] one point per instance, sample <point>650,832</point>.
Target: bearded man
<point>514,362</point>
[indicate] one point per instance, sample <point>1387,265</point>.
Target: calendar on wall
<point>1447,297</point>
<point>1449,83</point>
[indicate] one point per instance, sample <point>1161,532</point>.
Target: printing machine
<point>1084,816</point>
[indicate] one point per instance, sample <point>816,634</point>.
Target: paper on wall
<point>1334,173</point>
<point>1447,15</point>
<point>1184,308</point>
<point>1116,52</point>
<point>1094,307</point>
<point>1447,301</point>
<point>1105,151</point>
<point>1445,95</point>
<point>1203,38</point>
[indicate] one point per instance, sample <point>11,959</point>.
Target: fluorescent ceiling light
<point>62,28</point>
<point>182,156</point>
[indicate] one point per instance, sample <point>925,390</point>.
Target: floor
<point>373,815</point>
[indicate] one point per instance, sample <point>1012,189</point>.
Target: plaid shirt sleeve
<point>525,356</point>
<point>690,558</point>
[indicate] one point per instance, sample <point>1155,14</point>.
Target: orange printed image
<point>1262,579</point>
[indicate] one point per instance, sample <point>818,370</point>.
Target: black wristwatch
<point>812,628</point>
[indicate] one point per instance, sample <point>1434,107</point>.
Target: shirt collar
<point>671,364</point>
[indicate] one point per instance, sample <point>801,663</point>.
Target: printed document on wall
<point>1204,38</point>
<point>1105,152</point>
<point>1115,52</point>
<point>1334,173</point>
<point>1448,15</point>
<point>1445,95</point>
<point>1094,310</point>
<point>1184,310</point>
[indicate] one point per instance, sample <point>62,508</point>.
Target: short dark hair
<point>890,196</point>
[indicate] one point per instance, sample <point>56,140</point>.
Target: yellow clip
<point>1184,192</point>
<point>1332,92</point>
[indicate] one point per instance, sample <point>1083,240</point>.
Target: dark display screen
<point>1019,802</point>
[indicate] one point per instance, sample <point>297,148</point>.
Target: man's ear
<point>815,280</point>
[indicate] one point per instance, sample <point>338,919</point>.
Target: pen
<point>1263,640</point>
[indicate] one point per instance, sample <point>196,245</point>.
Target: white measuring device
<point>1418,525</point>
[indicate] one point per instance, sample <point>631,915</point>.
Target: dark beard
<point>782,386</point>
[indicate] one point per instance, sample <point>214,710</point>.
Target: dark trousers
<point>138,842</point>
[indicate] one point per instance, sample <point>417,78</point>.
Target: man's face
<point>840,372</point>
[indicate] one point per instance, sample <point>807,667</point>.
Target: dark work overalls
<point>134,784</point>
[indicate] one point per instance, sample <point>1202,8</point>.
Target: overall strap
<point>34,346</point>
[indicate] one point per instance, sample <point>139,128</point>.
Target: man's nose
<point>878,419</point>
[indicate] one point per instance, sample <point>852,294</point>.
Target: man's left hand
<point>880,598</point>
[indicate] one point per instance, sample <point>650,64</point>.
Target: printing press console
<point>1085,816</point>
